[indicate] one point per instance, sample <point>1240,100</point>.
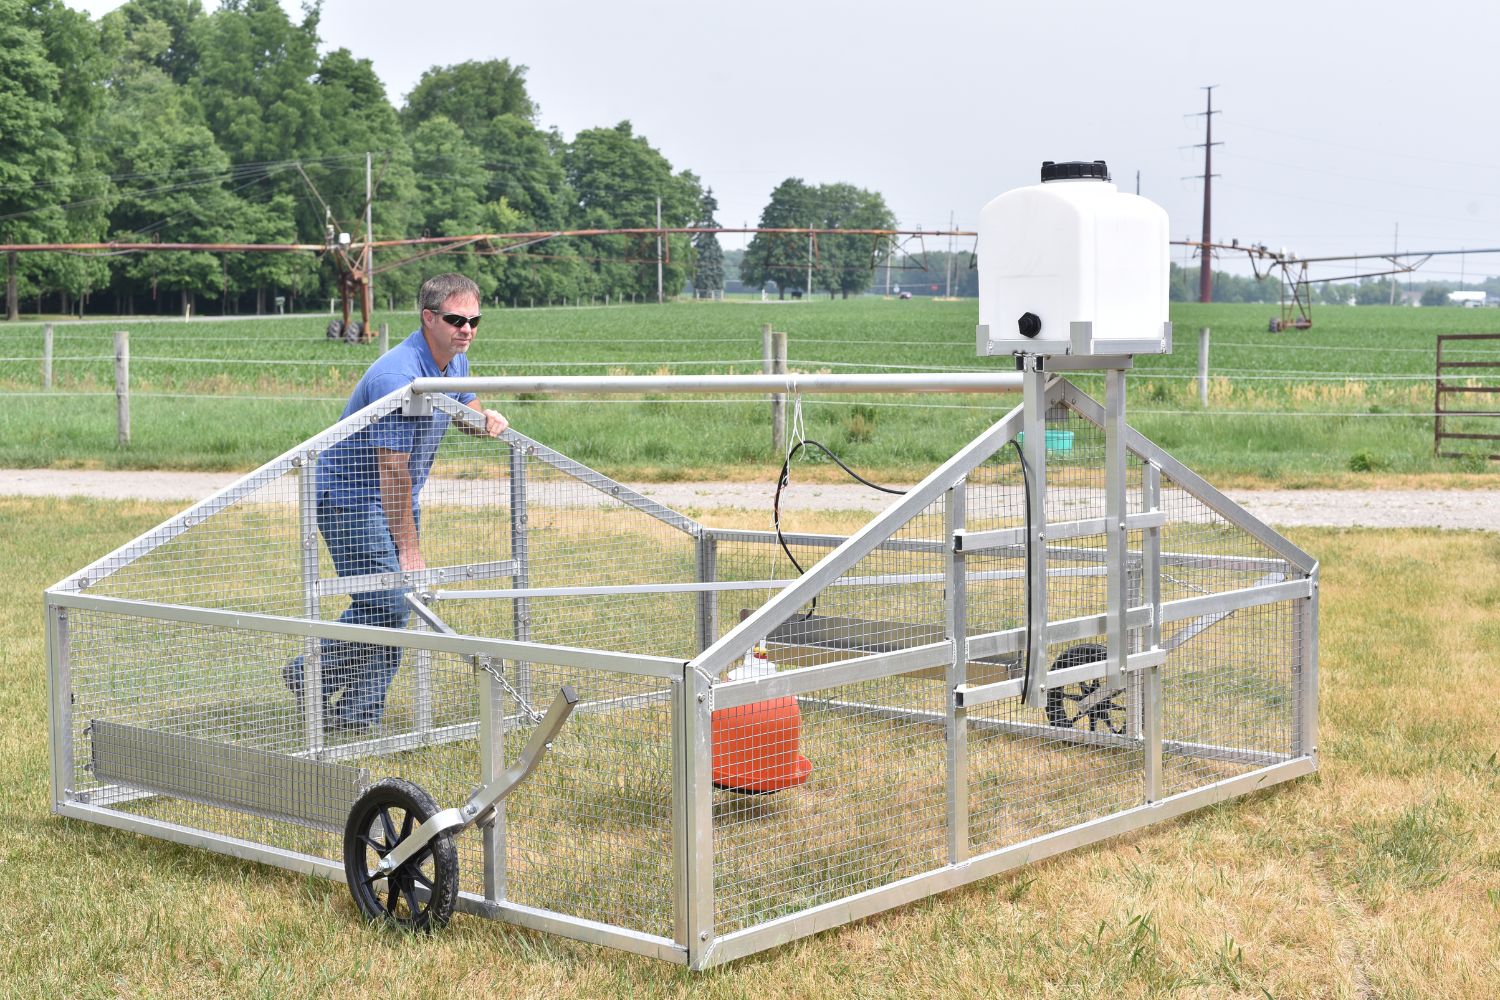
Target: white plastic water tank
<point>1073,249</point>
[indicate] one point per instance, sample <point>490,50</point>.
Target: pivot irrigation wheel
<point>1085,705</point>
<point>418,896</point>
<point>335,329</point>
<point>354,333</point>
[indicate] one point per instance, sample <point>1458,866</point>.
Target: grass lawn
<point>1347,402</point>
<point>1379,876</point>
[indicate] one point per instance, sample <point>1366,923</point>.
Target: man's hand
<point>412,560</point>
<point>494,423</point>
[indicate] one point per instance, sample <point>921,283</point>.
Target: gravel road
<point>1472,509</point>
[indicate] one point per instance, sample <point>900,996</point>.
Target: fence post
<point>778,400</point>
<point>1203,366</point>
<point>385,337</point>
<point>122,388</point>
<point>47,356</point>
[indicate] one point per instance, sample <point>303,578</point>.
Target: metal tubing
<point>417,579</point>
<point>1035,450</point>
<point>520,551</point>
<point>681,846</point>
<point>956,614</point>
<point>312,649</point>
<point>564,656</point>
<point>864,904</point>
<point>1149,685</point>
<point>1115,538</point>
<point>697,791</point>
<point>565,384</point>
<point>60,703</point>
<point>706,565</point>
<point>790,683</point>
<point>1305,740</point>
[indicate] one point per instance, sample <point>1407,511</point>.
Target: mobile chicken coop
<point>1059,635</point>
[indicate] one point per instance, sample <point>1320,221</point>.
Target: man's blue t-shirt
<point>348,473</point>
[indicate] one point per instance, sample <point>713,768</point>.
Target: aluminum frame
<point>1133,620</point>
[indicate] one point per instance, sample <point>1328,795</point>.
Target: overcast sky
<point>1341,120</point>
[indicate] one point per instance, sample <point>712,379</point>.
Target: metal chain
<point>483,663</point>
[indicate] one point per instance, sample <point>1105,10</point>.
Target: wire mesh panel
<point>248,669</point>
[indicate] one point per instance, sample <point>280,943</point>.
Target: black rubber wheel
<point>1066,704</point>
<point>335,329</point>
<point>354,333</point>
<point>421,894</point>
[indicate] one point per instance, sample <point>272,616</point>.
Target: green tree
<point>158,33</point>
<point>1434,295</point>
<point>471,95</point>
<point>845,264</point>
<point>708,272</point>
<point>616,177</point>
<point>782,258</point>
<point>51,187</point>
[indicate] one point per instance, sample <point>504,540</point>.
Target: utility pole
<point>1395,250</point>
<point>948,271</point>
<point>1205,264</point>
<point>809,261</point>
<point>660,298</point>
<point>369,262</point>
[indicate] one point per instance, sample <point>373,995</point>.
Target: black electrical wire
<point>783,480</point>
<point>1026,491</point>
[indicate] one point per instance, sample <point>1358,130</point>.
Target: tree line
<point>163,122</point>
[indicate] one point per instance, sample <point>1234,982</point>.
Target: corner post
<point>956,613</point>
<point>1034,426</point>
<point>695,786</point>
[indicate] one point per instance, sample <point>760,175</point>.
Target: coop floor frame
<point>962,657</point>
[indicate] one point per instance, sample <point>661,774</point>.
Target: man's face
<point>445,339</point>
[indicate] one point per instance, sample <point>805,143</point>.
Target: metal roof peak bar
<point>920,382</point>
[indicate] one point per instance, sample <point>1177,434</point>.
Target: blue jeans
<point>359,540</point>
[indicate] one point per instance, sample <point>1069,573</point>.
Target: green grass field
<point>1379,876</point>
<point>1347,401</point>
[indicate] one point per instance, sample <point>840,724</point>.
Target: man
<point>368,509</point>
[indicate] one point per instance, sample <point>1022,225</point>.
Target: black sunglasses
<point>457,320</point>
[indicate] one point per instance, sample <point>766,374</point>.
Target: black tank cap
<point>1074,170</point>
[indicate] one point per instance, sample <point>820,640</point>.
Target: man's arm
<point>395,497</point>
<point>494,423</point>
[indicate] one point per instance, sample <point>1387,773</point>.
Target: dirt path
<point>1475,509</point>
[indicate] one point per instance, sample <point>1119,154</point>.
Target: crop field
<point>1349,399</point>
<point>1378,876</point>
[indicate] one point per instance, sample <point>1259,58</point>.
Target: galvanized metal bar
<point>492,728</point>
<point>520,553</point>
<point>856,907</point>
<point>464,645</point>
<point>416,579</point>
<point>312,650</point>
<point>975,541</point>
<point>965,382</point>
<point>706,565</point>
<point>1150,680</point>
<point>60,702</point>
<point>697,792</point>
<point>1035,451</point>
<point>956,616</point>
<point>682,846</point>
<point>816,541</point>
<point>1115,538</point>
<point>1305,739</point>
<point>789,683</point>
<point>587,931</point>
<point>984,694</point>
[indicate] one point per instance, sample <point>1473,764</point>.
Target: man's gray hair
<point>441,287</point>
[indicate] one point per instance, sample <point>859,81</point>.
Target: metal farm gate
<point>1013,660</point>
